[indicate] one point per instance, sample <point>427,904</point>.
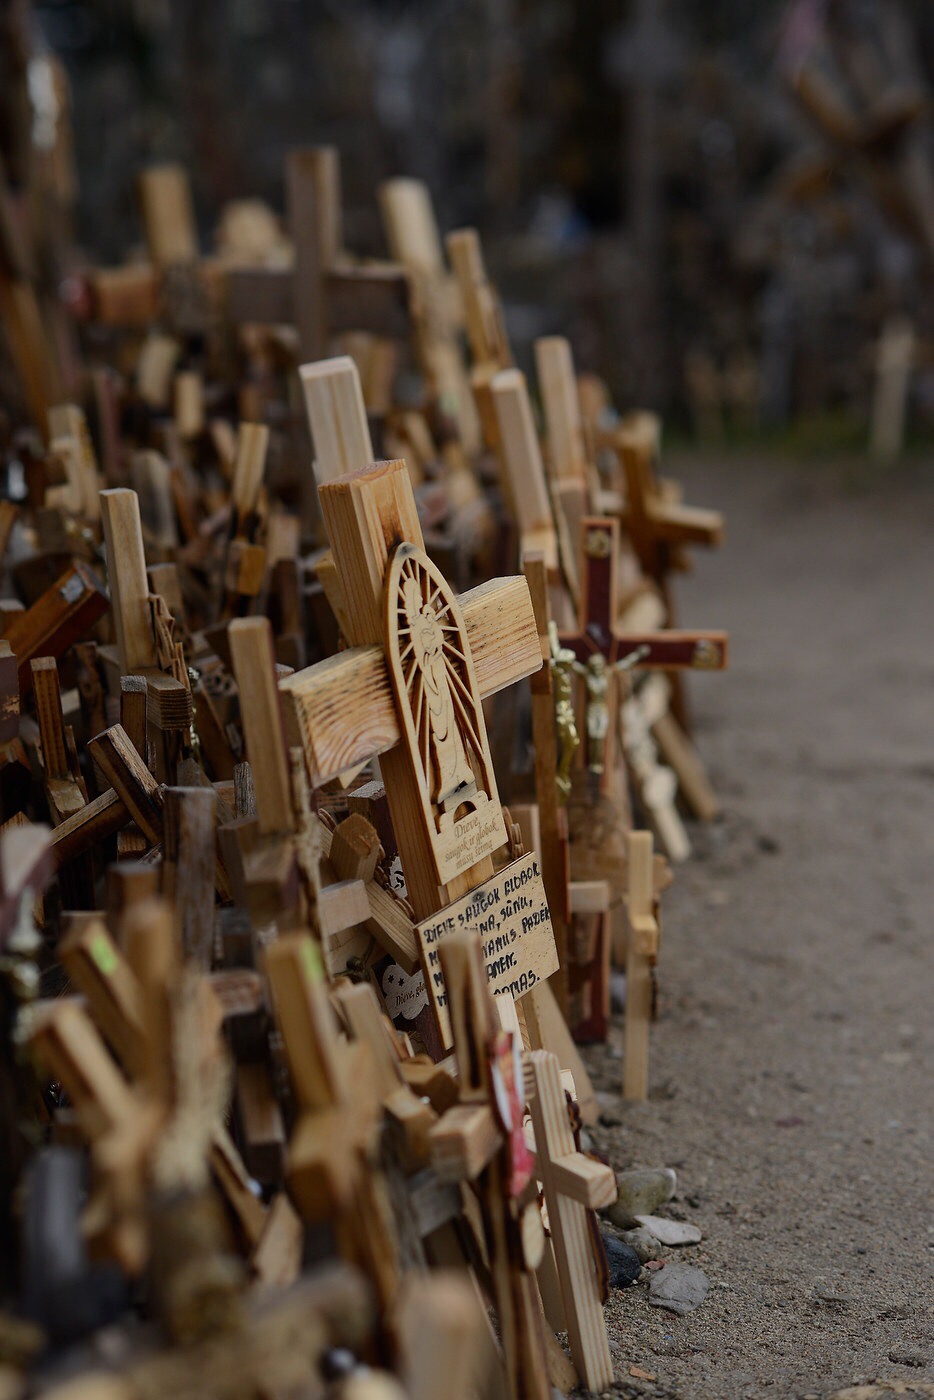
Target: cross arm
<point>376,298</point>
<point>668,650</point>
<point>677,650</point>
<point>505,647</point>
<point>679,524</point>
<point>585,1180</point>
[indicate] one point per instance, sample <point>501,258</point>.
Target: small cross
<point>573,1185</point>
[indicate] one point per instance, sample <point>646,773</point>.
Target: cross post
<point>573,1185</point>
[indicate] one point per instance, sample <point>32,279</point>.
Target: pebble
<point>670,1232</point>
<point>641,1190</point>
<point>624,1263</point>
<point>678,1287</point>
<point>907,1358</point>
<point>646,1245</point>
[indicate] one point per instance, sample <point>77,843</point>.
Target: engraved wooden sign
<point>510,914</point>
<point>440,712</point>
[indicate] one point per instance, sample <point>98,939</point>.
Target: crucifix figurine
<point>600,646</point>
<point>596,677</point>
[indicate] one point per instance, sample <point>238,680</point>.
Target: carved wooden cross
<point>422,661</point>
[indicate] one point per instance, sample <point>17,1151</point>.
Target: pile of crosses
<point>291,1097</point>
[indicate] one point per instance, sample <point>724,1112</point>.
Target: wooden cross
<point>481,1139</point>
<point>125,993</point>
<point>174,284</point>
<point>486,329</point>
<point>545,524</point>
<point>414,242</point>
<point>421,662</point>
<point>575,494</point>
<point>145,632</point>
<point>66,792</point>
<point>598,634</point>
<point>331,1167</point>
<point>573,1185</point>
<point>324,295</point>
<point>597,643</point>
<point>62,616</point>
<point>658,524</point>
<point>566,454</point>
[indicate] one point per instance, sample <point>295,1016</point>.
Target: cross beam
<point>597,632</point>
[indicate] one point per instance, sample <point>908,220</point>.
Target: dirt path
<point>792,1065</point>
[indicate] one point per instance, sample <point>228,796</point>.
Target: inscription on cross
<point>411,688</point>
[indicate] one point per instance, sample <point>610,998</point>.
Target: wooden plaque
<point>440,710</point>
<point>510,914</point>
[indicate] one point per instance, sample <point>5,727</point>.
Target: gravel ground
<point>791,1065</point>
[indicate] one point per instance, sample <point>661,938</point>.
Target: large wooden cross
<point>324,293</point>
<point>410,690</point>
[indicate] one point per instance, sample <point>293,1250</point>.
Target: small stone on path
<point>903,1357</point>
<point>624,1263</point>
<point>670,1232</point>
<point>678,1287</point>
<point>646,1245</point>
<point>641,1190</point>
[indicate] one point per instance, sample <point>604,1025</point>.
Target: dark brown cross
<point>597,627</point>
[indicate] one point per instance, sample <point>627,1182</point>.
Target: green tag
<point>102,951</point>
<point>311,960</point>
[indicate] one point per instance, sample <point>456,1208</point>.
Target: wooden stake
<point>337,417</point>
<point>251,648</point>
<point>129,586</point>
<point>573,1184</point>
<point>641,956</point>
